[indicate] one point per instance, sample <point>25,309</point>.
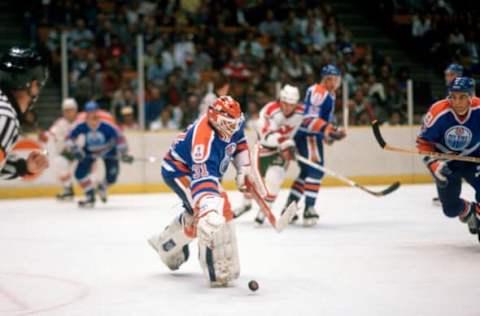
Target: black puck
<point>253,285</point>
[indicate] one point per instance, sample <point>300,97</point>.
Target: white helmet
<point>69,104</point>
<point>289,94</point>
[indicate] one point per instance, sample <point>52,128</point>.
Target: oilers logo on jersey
<point>458,137</point>
<point>95,140</point>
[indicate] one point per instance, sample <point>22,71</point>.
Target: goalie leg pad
<point>172,243</point>
<point>218,251</point>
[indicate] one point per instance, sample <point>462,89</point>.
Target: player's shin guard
<point>172,243</point>
<point>218,252</point>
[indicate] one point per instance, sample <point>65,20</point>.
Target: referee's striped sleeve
<point>8,132</point>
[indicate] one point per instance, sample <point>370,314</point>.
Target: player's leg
<point>65,176</point>
<point>172,243</point>
<point>217,243</point>
<point>312,180</point>
<point>470,173</point>
<point>112,168</point>
<point>297,188</point>
<point>245,206</point>
<point>273,172</point>
<point>82,175</point>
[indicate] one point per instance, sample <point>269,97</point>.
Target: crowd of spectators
<point>189,44</point>
<point>439,31</point>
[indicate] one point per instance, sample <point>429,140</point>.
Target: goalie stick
<point>385,146</point>
<point>278,223</point>
<point>390,189</point>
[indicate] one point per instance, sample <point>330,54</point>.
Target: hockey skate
<point>436,201</point>
<point>310,216</point>
<point>472,219</point>
<point>89,200</point>
<point>245,207</point>
<point>102,192</point>
<point>66,195</point>
<point>260,218</point>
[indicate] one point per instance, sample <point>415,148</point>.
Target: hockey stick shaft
<point>135,159</point>
<point>346,180</point>
<point>385,146</point>
<point>261,202</point>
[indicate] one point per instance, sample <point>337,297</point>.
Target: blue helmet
<point>330,70</point>
<point>455,68</point>
<point>462,84</point>
<point>91,106</point>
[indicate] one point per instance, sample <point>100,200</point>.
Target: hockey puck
<point>253,285</point>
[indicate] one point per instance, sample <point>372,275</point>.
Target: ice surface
<point>396,255</point>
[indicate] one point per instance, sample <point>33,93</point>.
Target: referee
<point>22,76</point>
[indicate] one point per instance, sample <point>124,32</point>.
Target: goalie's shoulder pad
<point>202,139</point>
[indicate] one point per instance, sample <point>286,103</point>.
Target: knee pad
<point>218,251</point>
<point>452,208</point>
<point>172,243</point>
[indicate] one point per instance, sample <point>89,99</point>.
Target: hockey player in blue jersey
<point>451,72</point>
<point>102,139</point>
<point>319,103</point>
<point>453,125</point>
<point>193,169</point>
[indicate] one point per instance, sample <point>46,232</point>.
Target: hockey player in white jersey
<point>62,159</point>
<point>277,124</point>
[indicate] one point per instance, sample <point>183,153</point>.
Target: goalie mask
<point>225,115</point>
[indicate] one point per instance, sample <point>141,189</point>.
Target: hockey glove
<point>126,158</point>
<point>67,155</point>
<point>288,149</point>
<point>333,134</point>
<point>439,170</point>
<point>78,153</point>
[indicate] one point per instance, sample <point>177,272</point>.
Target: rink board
<point>358,157</point>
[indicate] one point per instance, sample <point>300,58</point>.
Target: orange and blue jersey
<point>319,104</point>
<point>445,131</point>
<point>104,141</point>
<point>202,156</point>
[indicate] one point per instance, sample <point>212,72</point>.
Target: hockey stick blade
<point>286,217</point>
<point>378,135</point>
<point>391,188</point>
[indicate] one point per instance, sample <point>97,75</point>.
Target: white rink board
<point>396,255</point>
<point>357,155</point>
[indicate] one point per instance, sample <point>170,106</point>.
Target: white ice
<point>396,255</point>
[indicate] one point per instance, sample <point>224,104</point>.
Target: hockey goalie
<point>193,168</point>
